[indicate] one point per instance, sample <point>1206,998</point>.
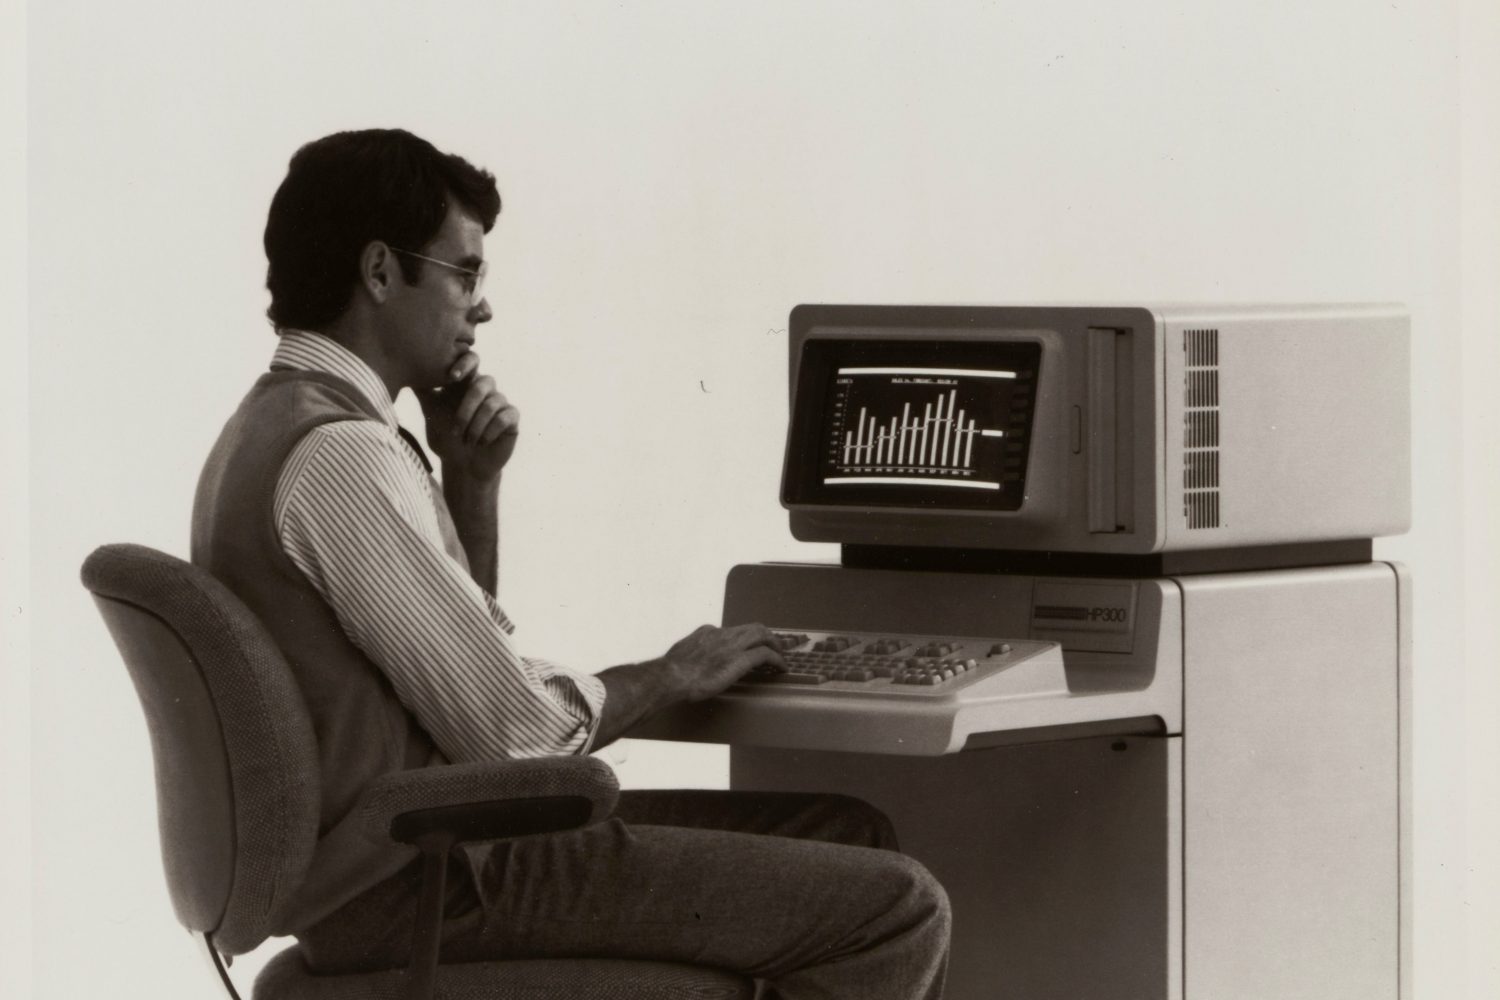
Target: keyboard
<point>880,692</point>
<point>887,663</point>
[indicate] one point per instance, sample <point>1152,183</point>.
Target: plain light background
<point>676,177</point>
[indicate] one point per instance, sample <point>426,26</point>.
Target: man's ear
<point>377,266</point>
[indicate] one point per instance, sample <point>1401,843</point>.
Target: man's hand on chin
<point>471,426</point>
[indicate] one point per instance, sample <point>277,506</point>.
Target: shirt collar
<point>304,350</point>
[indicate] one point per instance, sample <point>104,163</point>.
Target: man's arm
<point>475,509</point>
<point>355,515</point>
<point>697,666</point>
<point>473,429</point>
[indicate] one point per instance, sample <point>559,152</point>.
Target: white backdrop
<point>676,177</point>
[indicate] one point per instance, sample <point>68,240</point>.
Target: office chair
<point>237,802</point>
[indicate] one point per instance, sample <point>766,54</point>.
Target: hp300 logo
<point>1106,614</point>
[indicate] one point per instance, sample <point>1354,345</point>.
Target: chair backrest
<point>234,750</point>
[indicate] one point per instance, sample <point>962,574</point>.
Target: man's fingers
<point>756,656</point>
<point>750,635</point>
<point>507,421</point>
<point>490,412</point>
<point>766,656</point>
<point>454,389</point>
<point>464,367</point>
<point>478,393</point>
<point>755,650</point>
<point>469,425</point>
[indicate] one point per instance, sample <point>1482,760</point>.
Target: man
<point>379,586</point>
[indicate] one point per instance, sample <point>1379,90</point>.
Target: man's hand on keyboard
<point>710,659</point>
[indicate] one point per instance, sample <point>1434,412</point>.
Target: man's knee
<point>923,896</point>
<point>859,823</point>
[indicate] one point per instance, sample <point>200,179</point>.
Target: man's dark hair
<point>347,189</point>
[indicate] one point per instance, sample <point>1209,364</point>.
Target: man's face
<point>434,319</point>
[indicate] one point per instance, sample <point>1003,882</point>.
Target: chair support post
<point>427,931</point>
<point>205,943</point>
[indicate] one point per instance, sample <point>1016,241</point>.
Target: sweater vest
<point>362,729</point>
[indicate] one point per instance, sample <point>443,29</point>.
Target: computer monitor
<point>1090,429</point>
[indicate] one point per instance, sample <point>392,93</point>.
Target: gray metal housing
<point>1167,428</point>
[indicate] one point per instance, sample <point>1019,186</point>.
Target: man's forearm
<point>633,693</point>
<point>476,516</point>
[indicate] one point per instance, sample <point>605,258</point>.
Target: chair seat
<point>286,977</point>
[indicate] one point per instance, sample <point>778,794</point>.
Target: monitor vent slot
<point>1200,470</point>
<point>1202,348</point>
<point>1202,509</point>
<point>1203,387</point>
<point>1202,429</point>
<point>1200,465</point>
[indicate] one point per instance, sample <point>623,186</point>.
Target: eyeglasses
<point>473,281</point>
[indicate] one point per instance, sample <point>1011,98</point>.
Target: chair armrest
<point>490,800</point>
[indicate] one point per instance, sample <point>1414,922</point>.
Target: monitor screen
<point>912,423</point>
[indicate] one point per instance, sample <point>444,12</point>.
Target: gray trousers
<point>805,891</point>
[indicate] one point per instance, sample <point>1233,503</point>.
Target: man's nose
<point>481,313</point>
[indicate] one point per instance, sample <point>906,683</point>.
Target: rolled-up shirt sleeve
<point>356,516</point>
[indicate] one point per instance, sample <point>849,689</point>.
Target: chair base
<point>286,977</point>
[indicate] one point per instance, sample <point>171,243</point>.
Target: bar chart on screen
<point>891,426</point>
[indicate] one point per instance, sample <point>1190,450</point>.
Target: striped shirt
<point>357,513</point>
